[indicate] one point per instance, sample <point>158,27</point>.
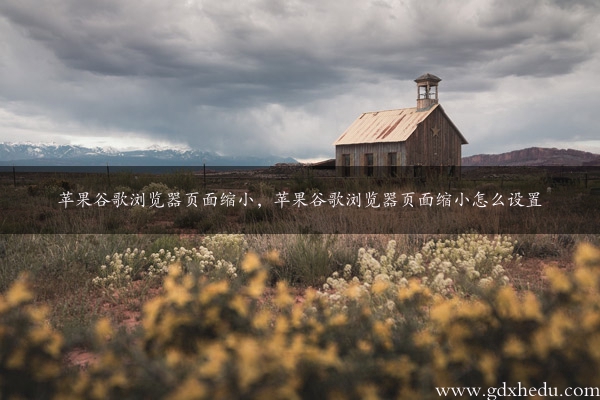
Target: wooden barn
<point>379,143</point>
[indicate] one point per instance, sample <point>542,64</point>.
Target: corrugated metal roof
<point>384,126</point>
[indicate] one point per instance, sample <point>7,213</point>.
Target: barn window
<point>393,164</point>
<point>346,164</point>
<point>369,164</point>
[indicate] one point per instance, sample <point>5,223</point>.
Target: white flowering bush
<point>119,268</point>
<point>218,255</point>
<point>447,267</point>
<point>227,247</point>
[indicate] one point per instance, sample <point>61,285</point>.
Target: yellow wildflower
<point>364,346</point>
<point>309,296</point>
<point>440,360</point>
<point>507,303</point>
<point>413,288</point>
<point>336,394</point>
<point>191,388</point>
<point>239,304</point>
<point>38,313</point>
<point>379,286</point>
<point>256,285</point>
<point>514,347</point>
<point>283,297</point>
<point>352,292</point>
<point>401,368</point>
<point>175,269</point>
<point>188,282</point>
<point>590,320</point>
<point>594,346</point>
<point>587,255</point>
<point>212,315</point>
<point>261,320</point>
<point>16,359</point>
<point>272,257</point>
<point>54,345</point>
<point>559,282</point>
<point>297,314</point>
<point>423,339</point>
<point>104,329</point>
<point>459,353</point>
<point>530,308</point>
<point>109,360</point>
<point>18,293</point>
<point>367,392</point>
<point>251,262</point>
<point>586,277</point>
<point>457,332</point>
<point>442,312</point>
<point>47,370</point>
<point>554,334</point>
<point>475,310</point>
<point>338,320</point>
<point>99,390</point>
<point>383,332</point>
<point>38,334</point>
<point>488,363</point>
<point>151,310</point>
<point>216,356</point>
<point>118,379</point>
<point>329,357</point>
<point>559,328</point>
<point>292,352</point>
<point>281,324</point>
<point>249,369</point>
<point>212,290</point>
<point>173,357</point>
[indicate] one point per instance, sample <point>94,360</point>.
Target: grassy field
<point>188,312</point>
<point>299,202</point>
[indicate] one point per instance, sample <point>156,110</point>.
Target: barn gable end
<point>379,142</point>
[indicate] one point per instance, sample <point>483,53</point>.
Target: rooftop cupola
<point>427,91</point>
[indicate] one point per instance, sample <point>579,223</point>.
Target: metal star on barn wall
<point>435,130</point>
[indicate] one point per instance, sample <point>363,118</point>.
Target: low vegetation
<point>225,316</point>
<point>166,306</point>
<point>184,202</point>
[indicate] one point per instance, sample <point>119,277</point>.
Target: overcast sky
<point>288,77</point>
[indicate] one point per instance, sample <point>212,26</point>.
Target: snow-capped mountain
<point>41,154</point>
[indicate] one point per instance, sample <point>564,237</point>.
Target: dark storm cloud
<point>212,73</point>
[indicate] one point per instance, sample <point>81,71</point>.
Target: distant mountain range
<point>534,156</point>
<point>39,154</point>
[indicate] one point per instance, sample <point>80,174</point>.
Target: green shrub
<point>307,260</point>
<point>140,216</point>
<point>189,218</point>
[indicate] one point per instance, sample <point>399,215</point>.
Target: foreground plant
<point>208,337</point>
<point>507,336</point>
<point>30,350</point>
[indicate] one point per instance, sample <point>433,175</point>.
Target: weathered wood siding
<point>424,148</point>
<point>380,156</point>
